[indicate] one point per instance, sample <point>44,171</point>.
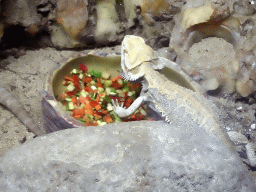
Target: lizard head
<point>134,53</point>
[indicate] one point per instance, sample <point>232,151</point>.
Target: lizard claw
<point>116,104</point>
<point>119,110</point>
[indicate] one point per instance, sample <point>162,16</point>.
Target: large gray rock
<point>137,156</point>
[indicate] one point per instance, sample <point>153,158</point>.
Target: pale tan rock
<point>22,12</point>
<point>195,15</point>
<point>108,24</point>
<point>72,15</point>
<point>130,10</point>
<point>244,86</point>
<point>61,39</point>
<point>211,84</point>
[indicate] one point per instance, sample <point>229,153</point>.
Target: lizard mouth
<point>133,75</point>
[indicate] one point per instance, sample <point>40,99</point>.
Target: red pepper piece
<point>87,79</point>
<point>67,78</point>
<point>76,82</point>
<point>69,93</point>
<point>99,84</point>
<point>94,103</point>
<point>88,89</point>
<point>128,102</point>
<point>116,85</point>
<point>78,113</point>
<point>82,67</point>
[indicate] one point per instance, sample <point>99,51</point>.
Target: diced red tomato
<point>89,111</point>
<point>78,113</point>
<point>67,78</point>
<point>88,106</point>
<point>74,100</point>
<point>102,112</point>
<point>97,116</point>
<point>82,67</point>
<point>70,93</point>
<point>99,84</point>
<point>107,118</point>
<point>116,85</point>
<point>98,107</point>
<point>88,89</point>
<point>87,79</point>
<point>128,102</point>
<point>85,100</point>
<point>63,95</point>
<point>94,103</point>
<point>76,82</point>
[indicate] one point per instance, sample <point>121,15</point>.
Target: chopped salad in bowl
<point>88,94</point>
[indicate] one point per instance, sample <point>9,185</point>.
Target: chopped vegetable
<point>71,106</point>
<point>105,75</point>
<point>88,96</point>
<point>74,71</point>
<point>107,83</point>
<point>95,73</point>
<point>82,67</point>
<point>78,113</point>
<point>70,87</point>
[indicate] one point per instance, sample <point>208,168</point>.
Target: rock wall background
<point>86,23</point>
<point>36,34</point>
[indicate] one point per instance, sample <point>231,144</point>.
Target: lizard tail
<point>14,105</point>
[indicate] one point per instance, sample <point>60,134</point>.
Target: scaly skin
<point>13,104</point>
<point>174,103</point>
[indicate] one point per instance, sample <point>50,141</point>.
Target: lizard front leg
<point>125,112</point>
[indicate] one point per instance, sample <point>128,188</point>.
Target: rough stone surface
<point>136,156</point>
<point>73,15</point>
<point>23,12</point>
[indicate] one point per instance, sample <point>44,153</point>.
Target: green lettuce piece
<point>95,73</point>
<point>107,99</point>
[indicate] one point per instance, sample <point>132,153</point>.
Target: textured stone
<point>72,15</point>
<point>22,12</point>
<point>136,156</point>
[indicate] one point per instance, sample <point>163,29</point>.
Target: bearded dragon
<point>176,104</point>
